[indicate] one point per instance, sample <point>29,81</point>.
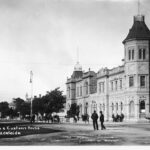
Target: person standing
<point>94,118</point>
<point>102,120</point>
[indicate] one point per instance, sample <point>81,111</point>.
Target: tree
<point>38,105</point>
<point>73,111</point>
<point>53,101</point>
<point>4,109</point>
<point>18,103</point>
<point>22,107</point>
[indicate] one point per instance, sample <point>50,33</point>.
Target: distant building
<point>123,89</point>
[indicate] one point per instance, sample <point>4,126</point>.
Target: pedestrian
<point>102,120</point>
<point>94,118</point>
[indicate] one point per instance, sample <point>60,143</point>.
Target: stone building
<point>123,89</point>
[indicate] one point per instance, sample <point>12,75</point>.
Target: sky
<point>44,35</point>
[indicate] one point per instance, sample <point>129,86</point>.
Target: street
<point>83,134</point>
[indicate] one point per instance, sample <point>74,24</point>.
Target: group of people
<point>118,118</point>
<point>95,118</point>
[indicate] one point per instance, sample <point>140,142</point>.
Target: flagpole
<point>31,82</point>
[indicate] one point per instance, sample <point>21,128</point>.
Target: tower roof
<point>139,30</point>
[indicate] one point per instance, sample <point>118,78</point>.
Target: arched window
<point>103,107</point>
<point>121,105</point>
<point>117,106</point>
<point>100,107</point>
<point>94,106</point>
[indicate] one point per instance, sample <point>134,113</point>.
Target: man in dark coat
<point>102,120</point>
<point>94,118</point>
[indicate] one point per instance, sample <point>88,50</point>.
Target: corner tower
<point>136,48</point>
<point>71,85</point>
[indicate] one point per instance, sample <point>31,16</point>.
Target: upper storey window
<point>142,81</point>
<point>142,53</point>
<point>131,81</point>
<point>86,88</point>
<point>80,90</point>
<point>101,87</point>
<point>131,54</point>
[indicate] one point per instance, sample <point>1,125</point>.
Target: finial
<point>138,7</point>
<point>77,54</point>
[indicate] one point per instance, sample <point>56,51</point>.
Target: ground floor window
<point>94,107</point>
<point>121,106</point>
<point>142,106</point>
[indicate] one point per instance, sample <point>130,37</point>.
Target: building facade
<point>123,89</point>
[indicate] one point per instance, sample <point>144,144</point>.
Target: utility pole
<point>31,82</point>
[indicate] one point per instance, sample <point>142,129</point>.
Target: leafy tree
<point>18,103</point>
<point>38,106</point>
<point>25,109</point>
<point>22,107</point>
<point>73,111</point>
<point>4,109</point>
<point>53,101</point>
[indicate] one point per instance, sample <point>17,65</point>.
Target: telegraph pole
<point>31,82</point>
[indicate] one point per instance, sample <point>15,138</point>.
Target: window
<point>86,87</point>
<point>77,91</point>
<point>80,90</point>
<point>69,92</point>
<point>121,106</point>
<point>142,106</point>
<point>143,53</point>
<point>129,54</point>
<point>131,81</point>
<point>120,84</point>
<point>112,85</point>
<point>103,86</point>
<point>142,81</point>
<point>117,106</point>
<point>116,85</point>
<point>99,87</point>
<point>100,107</point>
<point>103,107</point>
<point>140,53</point>
<point>132,54</point>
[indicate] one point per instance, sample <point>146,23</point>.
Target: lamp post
<point>31,82</point>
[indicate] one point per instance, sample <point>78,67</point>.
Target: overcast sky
<point>44,35</point>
